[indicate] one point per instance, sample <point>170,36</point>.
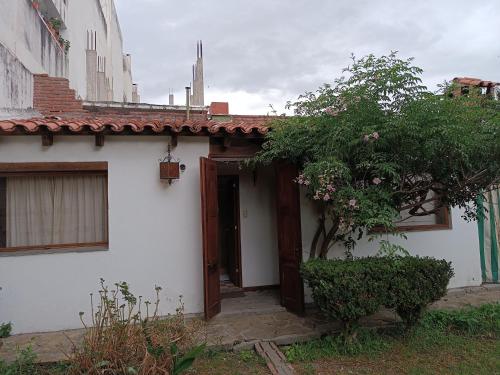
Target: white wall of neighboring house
<point>16,85</point>
<point>25,35</point>
<point>459,245</point>
<point>154,233</point>
<point>127,78</point>
<point>26,42</point>
<point>83,17</point>
<point>100,17</point>
<point>26,48</point>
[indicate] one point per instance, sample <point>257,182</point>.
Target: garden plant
<point>377,142</point>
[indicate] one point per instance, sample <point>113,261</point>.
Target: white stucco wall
<point>154,233</point>
<point>16,82</point>
<point>27,38</point>
<point>127,78</point>
<point>259,242</point>
<point>460,245</point>
<point>83,16</point>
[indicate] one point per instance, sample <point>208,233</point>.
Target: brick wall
<point>52,95</point>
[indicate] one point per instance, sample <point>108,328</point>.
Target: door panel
<point>289,237</point>
<point>209,211</point>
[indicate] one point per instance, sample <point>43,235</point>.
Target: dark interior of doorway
<point>229,236</point>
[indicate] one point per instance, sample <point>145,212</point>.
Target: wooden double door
<point>289,237</point>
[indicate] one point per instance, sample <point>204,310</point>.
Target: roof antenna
<point>201,49</point>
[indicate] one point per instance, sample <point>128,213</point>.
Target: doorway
<point>221,233</point>
<point>229,236</point>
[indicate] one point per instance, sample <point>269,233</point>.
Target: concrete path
<point>244,323</point>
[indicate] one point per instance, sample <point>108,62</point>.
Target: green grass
<point>215,362</point>
<point>445,342</point>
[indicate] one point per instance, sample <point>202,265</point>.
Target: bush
<point>415,283</point>
<point>128,337</point>
<point>5,330</point>
<point>23,364</point>
<point>348,290</point>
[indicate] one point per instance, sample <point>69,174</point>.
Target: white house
<point>81,198</point>
<point>143,193</point>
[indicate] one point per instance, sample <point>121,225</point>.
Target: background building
<point>79,40</point>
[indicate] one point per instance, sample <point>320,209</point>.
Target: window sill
<point>54,249</point>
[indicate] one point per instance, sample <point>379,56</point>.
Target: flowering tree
<point>378,142</point>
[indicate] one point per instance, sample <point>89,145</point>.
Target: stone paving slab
<point>242,330</point>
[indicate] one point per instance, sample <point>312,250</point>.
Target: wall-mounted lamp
<point>169,168</point>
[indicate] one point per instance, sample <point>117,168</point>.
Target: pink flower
<point>377,181</point>
<point>316,197</point>
<point>307,182</point>
<point>375,135</point>
<point>331,111</point>
<point>366,138</point>
<point>330,188</point>
<point>352,203</point>
<point>326,197</point>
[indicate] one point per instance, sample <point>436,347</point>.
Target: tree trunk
<point>321,230</point>
<point>328,239</point>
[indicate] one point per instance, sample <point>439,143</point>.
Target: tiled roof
<point>468,81</point>
<point>124,124</point>
<point>61,113</point>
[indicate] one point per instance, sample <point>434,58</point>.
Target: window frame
<point>445,213</point>
<point>51,169</point>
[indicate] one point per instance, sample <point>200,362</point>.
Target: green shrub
<point>415,283</point>
<point>5,330</point>
<point>24,364</point>
<point>347,290</point>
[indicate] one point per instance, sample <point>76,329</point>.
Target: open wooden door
<point>209,212</point>
<point>289,238</point>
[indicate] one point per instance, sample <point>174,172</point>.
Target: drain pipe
<point>188,99</point>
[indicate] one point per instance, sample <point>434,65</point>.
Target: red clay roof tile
<point>119,124</point>
<point>474,82</point>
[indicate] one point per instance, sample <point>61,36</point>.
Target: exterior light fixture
<point>169,168</point>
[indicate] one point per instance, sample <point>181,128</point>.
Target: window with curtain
<point>60,210</point>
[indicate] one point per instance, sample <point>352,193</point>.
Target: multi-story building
<point>79,40</point>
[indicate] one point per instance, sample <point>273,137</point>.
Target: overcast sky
<point>261,52</point>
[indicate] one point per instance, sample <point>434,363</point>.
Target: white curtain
<point>56,210</point>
